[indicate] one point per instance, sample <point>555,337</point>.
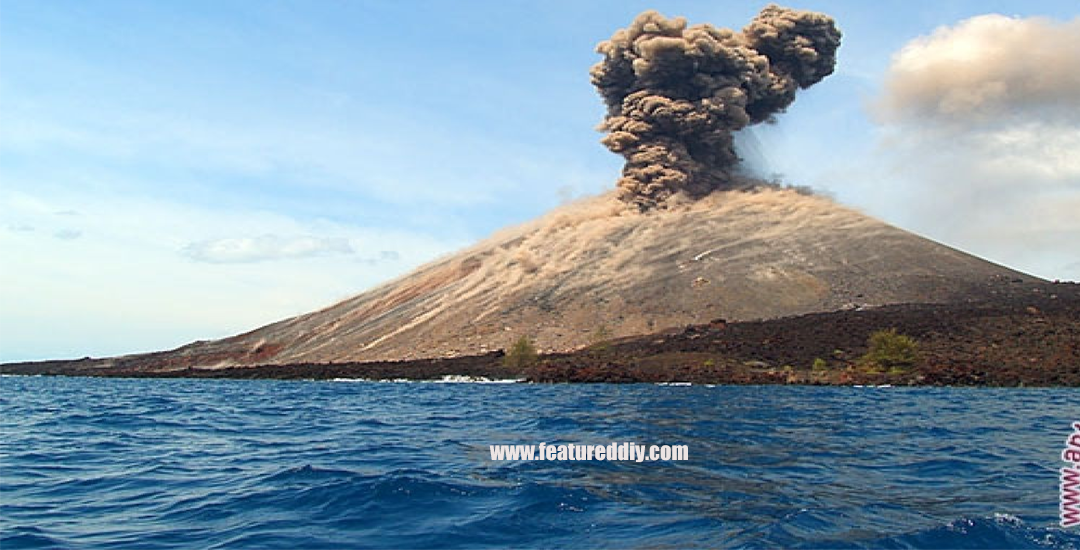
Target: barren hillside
<point>596,269</point>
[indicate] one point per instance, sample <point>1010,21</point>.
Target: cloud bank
<point>982,123</point>
<point>264,248</point>
<point>149,294</point>
<point>989,69</point>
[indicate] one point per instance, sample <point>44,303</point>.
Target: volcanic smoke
<point>676,94</point>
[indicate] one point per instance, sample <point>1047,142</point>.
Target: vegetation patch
<point>521,355</point>
<point>890,351</point>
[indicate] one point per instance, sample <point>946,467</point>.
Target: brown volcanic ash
<point>675,94</point>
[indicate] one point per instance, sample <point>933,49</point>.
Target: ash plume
<point>675,94</point>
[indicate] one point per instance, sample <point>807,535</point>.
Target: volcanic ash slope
<point>594,269</point>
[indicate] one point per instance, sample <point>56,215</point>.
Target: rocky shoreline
<point>1028,336</point>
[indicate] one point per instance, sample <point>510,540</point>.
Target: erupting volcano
<point>686,238</point>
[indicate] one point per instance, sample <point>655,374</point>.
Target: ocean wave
<point>998,531</point>
<point>446,379</point>
<point>111,463</point>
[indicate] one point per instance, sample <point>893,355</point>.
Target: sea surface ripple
<point>127,463</point>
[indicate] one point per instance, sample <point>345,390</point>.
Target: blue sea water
<point>126,463</point>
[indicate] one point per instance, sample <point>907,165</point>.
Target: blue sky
<point>172,171</point>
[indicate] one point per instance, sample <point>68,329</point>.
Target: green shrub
<point>890,351</point>
<point>521,355</point>
<point>820,365</point>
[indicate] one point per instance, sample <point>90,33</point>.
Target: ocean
<point>139,463</point>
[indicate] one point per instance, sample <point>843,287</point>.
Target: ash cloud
<point>675,94</point>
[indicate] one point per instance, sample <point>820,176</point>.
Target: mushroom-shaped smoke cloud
<point>675,94</point>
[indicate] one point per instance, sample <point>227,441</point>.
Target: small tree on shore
<point>521,355</point>
<point>891,351</point>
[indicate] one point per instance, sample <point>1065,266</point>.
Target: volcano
<point>596,270</point>
<point>686,240</point>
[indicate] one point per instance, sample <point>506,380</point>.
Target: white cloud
<point>68,234</point>
<point>989,68</point>
<point>980,126</point>
<point>264,248</point>
<point>124,285</point>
